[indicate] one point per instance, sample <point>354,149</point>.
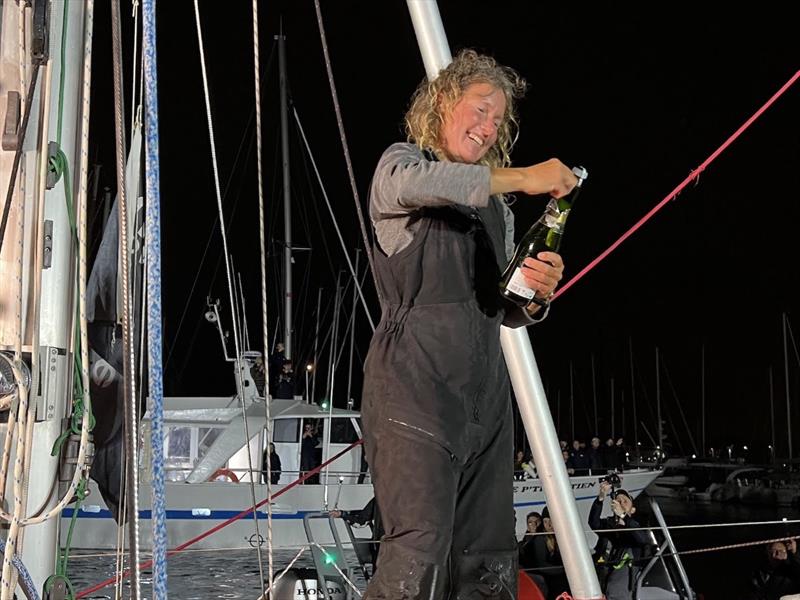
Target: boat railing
<point>330,563</point>
<point>667,555</point>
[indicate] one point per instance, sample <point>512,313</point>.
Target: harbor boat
<point>210,483</point>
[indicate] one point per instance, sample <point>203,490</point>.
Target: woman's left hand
<point>543,273</point>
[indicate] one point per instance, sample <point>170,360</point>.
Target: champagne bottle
<point>544,235</point>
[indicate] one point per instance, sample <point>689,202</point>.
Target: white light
<point>745,447</point>
<point>309,367</point>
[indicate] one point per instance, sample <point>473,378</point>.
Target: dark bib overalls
<point>437,415</point>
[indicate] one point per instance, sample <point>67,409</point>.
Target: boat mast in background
<point>788,395</point>
<point>287,200</point>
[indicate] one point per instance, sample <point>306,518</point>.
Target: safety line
<point>693,175</point>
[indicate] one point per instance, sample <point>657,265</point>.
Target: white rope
<point>239,360</point>
<point>7,590</point>
<point>262,240</point>
<point>134,75</point>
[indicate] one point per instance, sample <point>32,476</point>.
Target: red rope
<point>693,175</point>
<point>148,563</point>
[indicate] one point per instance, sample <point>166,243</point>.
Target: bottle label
<point>518,285</point>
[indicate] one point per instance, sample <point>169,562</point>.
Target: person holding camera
<point>779,574</point>
<point>620,541</point>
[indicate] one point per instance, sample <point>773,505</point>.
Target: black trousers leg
<point>485,555</point>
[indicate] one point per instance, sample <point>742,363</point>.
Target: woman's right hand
<point>549,177</point>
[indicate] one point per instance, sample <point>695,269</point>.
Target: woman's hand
<point>543,273</point>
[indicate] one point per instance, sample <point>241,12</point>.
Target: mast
<point>771,417</point>
<point>524,374</point>
<point>788,396</point>
<point>658,404</point>
<point>314,364</point>
<point>287,200</point>
<point>633,399</point>
<point>571,404</point>
<point>703,399</point>
<point>613,432</point>
<point>352,330</point>
<point>594,398</point>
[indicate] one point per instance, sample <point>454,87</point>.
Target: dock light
<point>694,455</point>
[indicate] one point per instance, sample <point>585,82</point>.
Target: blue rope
<point>154,354</point>
<point>25,580</point>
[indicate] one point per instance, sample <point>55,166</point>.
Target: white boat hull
<point>193,509</point>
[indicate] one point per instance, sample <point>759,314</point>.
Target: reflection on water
<point>721,574</point>
<point>202,575</point>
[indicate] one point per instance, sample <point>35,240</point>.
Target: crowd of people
<point>620,545</point>
<point>281,374</point>
<point>580,460</point>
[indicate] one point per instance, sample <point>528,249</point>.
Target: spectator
<point>608,455</point>
<point>526,549</point>
<point>543,558</point>
<point>369,515</point>
<point>779,573</point>
<point>616,552</point>
<point>272,459</point>
<point>308,452</point>
<point>284,386</point>
<point>519,460</point>
<point>578,461</point>
<point>594,455</point>
<point>276,361</point>
<point>259,375</point>
<point>565,456</point>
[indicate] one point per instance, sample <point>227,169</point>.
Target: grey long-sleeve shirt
<point>405,181</point>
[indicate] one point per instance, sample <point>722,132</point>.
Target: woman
<point>436,405</point>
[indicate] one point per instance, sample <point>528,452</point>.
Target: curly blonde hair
<point>433,100</point>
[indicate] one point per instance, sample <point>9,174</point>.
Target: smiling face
<point>533,523</point>
<point>470,127</point>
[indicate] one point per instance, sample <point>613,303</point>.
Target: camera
<point>614,481</point>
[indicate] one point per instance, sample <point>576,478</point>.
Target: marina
<point>182,416</point>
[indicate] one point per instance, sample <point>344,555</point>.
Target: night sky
<point>639,99</point>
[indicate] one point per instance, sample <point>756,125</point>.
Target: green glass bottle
<point>544,235</point>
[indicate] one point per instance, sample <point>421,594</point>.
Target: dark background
<point>639,98</point>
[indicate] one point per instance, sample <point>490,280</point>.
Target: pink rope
<point>693,175</point>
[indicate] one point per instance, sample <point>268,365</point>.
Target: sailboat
<point>47,369</point>
<point>206,441</point>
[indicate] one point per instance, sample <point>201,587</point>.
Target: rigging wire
<point>210,237</point>
<point>239,360</point>
<point>333,217</point>
<point>343,138</point>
